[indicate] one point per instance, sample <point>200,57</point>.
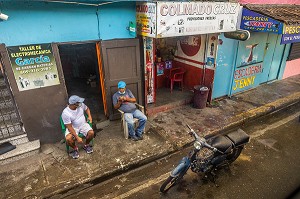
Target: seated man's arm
<point>130,97</point>
<point>88,112</point>
<point>117,102</point>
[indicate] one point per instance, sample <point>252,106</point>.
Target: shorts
<point>83,129</point>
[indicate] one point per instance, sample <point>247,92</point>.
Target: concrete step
<point>20,139</point>
<point>151,111</point>
<point>22,150</point>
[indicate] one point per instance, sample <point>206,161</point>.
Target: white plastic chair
<point>124,125</point>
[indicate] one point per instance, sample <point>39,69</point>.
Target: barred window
<point>294,52</point>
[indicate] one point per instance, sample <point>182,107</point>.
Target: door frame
<point>137,79</point>
<point>99,61</point>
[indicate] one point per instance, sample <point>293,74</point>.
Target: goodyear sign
<point>291,34</point>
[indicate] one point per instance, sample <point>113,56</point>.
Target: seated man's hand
<point>89,119</point>
<point>126,98</point>
<point>79,140</point>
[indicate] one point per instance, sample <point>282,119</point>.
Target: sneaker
<point>140,137</point>
<point>134,138</point>
<point>74,154</point>
<point>88,149</point>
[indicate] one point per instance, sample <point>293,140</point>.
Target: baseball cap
<point>121,84</point>
<point>74,99</point>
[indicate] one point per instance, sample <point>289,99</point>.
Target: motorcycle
<point>208,156</point>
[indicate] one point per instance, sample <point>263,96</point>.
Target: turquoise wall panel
<point>39,22</point>
<point>284,58</point>
<point>224,66</point>
<point>115,18</point>
<point>249,63</point>
<point>252,50</point>
<point>268,56</point>
<point>277,58</point>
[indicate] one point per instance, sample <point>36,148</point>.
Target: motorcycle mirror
<point>189,127</point>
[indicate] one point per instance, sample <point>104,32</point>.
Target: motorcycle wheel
<point>170,182</point>
<point>234,154</point>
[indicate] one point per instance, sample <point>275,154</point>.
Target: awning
<point>280,19</point>
<point>289,14</point>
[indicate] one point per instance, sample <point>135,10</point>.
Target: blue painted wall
<point>224,66</point>
<point>242,65</point>
<point>40,22</point>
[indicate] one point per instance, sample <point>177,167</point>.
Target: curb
<point>255,113</point>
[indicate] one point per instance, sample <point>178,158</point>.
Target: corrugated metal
<point>290,14</point>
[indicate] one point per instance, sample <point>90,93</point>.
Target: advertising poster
<point>190,50</point>
<point>259,23</point>
<point>149,68</point>
<point>291,34</point>
<point>146,19</point>
<point>33,66</point>
<point>192,18</point>
<point>211,50</point>
<point>160,68</point>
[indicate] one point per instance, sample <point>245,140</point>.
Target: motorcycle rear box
<point>238,137</point>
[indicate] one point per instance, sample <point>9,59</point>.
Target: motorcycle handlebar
<point>204,143</point>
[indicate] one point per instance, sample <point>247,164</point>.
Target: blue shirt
<point>126,107</point>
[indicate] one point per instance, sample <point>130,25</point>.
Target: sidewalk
<point>52,171</point>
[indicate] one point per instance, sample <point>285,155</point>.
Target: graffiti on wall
<point>245,77</point>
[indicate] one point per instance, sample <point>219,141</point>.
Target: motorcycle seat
<point>221,143</point>
<point>238,137</point>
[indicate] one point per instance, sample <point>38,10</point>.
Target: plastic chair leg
<point>126,135</point>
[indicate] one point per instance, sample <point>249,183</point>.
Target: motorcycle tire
<point>234,154</point>
<point>170,182</point>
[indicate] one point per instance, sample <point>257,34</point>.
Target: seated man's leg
<point>142,122</point>
<point>71,142</point>
<point>130,122</point>
<point>88,133</point>
<point>89,137</point>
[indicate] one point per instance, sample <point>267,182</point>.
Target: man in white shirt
<point>74,119</point>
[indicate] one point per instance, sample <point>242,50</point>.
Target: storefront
<point>260,59</point>
<point>54,57</point>
<point>181,37</point>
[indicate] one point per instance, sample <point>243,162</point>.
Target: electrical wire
<point>98,22</point>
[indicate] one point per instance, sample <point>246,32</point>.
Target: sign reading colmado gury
<point>186,18</point>
<point>33,66</point>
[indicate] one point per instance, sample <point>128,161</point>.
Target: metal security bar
<point>10,120</point>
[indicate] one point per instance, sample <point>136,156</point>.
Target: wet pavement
<point>52,171</point>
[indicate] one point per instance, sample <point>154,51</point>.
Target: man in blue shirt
<point>125,101</point>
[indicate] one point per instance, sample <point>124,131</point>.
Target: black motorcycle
<point>208,155</point>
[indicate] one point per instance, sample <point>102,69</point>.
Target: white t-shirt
<point>75,117</point>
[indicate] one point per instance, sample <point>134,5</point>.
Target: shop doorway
<point>81,72</point>
<point>179,64</point>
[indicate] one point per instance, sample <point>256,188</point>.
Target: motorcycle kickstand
<point>213,177</point>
